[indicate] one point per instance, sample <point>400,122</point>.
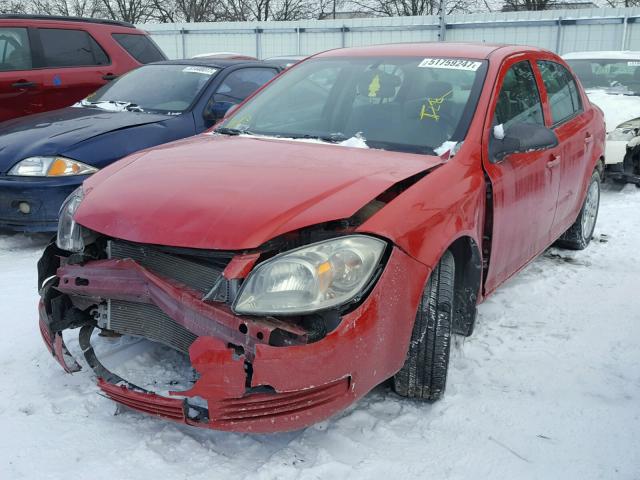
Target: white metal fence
<point>559,30</point>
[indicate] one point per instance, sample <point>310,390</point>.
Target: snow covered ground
<point>548,387</point>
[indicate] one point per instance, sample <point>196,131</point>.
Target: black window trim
<point>576,113</point>
<point>38,51</point>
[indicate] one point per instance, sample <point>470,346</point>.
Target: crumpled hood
<point>617,108</point>
<point>232,193</point>
<point>53,133</point>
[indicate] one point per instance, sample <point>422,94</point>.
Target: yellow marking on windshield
<point>431,110</point>
<point>374,86</point>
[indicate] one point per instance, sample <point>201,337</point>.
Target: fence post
<point>183,42</point>
<point>258,31</point>
<point>343,35</point>
<point>442,34</point>
<point>625,26</point>
<point>298,40</point>
<point>559,37</point>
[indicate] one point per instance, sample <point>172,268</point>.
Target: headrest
<point>438,89</point>
<point>378,84</point>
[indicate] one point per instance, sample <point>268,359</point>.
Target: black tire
<point>578,236</point>
<point>424,373</point>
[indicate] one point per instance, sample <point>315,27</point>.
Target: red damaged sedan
<point>331,233</point>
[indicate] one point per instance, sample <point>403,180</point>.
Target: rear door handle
<point>554,162</point>
<point>588,138</point>
<point>24,84</point>
<point>109,76</point>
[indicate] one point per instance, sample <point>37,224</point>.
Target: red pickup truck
<point>52,62</point>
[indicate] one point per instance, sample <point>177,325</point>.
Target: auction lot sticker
<point>450,64</point>
<point>202,70</point>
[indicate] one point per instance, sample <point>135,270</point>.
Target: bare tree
<point>11,6</point>
<point>403,8</point>
<point>399,8</point>
<point>623,3</point>
<point>74,8</point>
<point>132,11</point>
<point>519,5</point>
<point>188,10</point>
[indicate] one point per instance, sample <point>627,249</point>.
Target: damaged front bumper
<point>255,374</point>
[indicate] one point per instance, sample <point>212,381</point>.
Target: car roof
<point>58,18</point>
<point>603,55</point>
<point>441,49</point>
<point>212,62</point>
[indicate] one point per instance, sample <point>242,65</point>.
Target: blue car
<point>44,157</point>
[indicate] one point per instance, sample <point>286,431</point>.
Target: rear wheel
<point>578,236</point>
<point>424,373</point>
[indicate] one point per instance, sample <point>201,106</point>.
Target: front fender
<point>447,204</point>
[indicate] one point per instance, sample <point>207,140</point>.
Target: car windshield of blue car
<point>406,104</point>
<point>616,76</point>
<point>166,89</point>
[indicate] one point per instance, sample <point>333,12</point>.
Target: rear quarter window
<point>140,47</point>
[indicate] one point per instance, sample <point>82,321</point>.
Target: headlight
<point>621,135</point>
<point>316,277</point>
<point>50,167</point>
<point>625,131</point>
<point>70,234</point>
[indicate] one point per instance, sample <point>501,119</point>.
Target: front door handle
<point>588,138</point>
<point>109,76</point>
<point>554,162</point>
<point>24,84</point>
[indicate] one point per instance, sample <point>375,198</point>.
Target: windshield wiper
<point>229,131</point>
<point>330,138</point>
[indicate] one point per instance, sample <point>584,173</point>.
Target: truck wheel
<point>579,234</point>
<point>424,373</point>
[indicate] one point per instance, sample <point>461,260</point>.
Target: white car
<point>612,82</point>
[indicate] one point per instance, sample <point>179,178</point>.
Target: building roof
<point>441,49</point>
<point>603,55</point>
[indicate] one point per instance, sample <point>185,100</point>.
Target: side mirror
<point>215,111</point>
<point>520,138</point>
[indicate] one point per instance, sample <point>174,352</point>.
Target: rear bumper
<point>44,196</point>
<point>266,388</point>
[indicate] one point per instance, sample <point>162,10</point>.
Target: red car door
<point>75,65</point>
<point>524,185</point>
<point>20,85</point>
<point>571,124</point>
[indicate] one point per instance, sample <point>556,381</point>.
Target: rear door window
<point>15,50</point>
<point>564,97</point>
<point>519,99</point>
<point>70,48</point>
<point>139,47</point>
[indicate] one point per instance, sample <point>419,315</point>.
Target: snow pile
<point>548,387</point>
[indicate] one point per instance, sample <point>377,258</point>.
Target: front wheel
<point>424,373</point>
<point>578,236</point>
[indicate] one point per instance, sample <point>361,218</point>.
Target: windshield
<point>402,103</point>
<point>153,88</point>
<point>622,76</point>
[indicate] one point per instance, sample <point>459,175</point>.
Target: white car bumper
<point>615,150</point>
